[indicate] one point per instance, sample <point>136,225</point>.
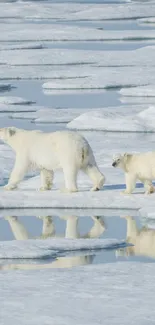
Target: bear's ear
<point>127,157</point>
<point>11,131</point>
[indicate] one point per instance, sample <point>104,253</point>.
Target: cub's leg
<point>132,230</point>
<point>149,188</point>
<point>46,179</point>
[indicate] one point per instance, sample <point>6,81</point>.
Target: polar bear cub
<point>140,166</point>
<point>47,152</point>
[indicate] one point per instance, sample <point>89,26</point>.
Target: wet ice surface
<point>52,241</point>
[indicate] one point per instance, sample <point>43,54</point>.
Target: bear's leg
<point>130,183</point>
<point>17,174</point>
<point>46,179</point>
<point>70,176</point>
<point>149,188</point>
<point>95,175</point>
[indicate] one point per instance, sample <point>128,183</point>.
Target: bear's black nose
<point>114,164</point>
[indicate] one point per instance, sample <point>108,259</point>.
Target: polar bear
<point>140,166</point>
<point>47,152</point>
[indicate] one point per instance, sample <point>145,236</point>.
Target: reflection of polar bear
<point>143,240</point>
<point>137,167</point>
<point>48,230</point>
<point>47,152</point>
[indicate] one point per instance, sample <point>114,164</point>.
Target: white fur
<point>143,240</point>
<point>47,152</point>
<point>139,166</point>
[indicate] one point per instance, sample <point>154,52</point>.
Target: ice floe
<point>79,78</point>
<point>116,121</point>
<point>33,249</point>
<point>50,115</point>
<point>13,108</point>
<point>140,57</point>
<point>109,198</point>
<point>15,100</point>
<point>21,46</point>
<point>137,100</point>
<point>57,32</point>
<point>149,20</point>
<point>76,11</point>
<point>144,91</point>
<point>115,292</point>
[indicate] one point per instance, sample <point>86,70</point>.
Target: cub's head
<point>7,133</point>
<point>121,160</point>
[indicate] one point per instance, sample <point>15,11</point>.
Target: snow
<point>21,46</point>
<point>51,32</point>
<point>41,213</point>
<point>15,100</point>
<point>58,115</point>
<point>102,78</point>
<point>65,115</point>
<point>116,121</point>
<point>149,20</point>
<point>13,108</point>
<point>37,249</point>
<point>137,100</point>
<point>139,57</point>
<point>76,11</point>
<point>118,293</point>
<point>27,196</point>
<point>144,91</point>
<point>79,77</point>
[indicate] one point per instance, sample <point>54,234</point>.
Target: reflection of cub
<point>143,240</point>
<point>137,167</point>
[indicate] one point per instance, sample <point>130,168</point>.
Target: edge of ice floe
<point>36,249</point>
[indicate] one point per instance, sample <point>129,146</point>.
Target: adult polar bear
<point>140,166</point>
<point>47,152</point>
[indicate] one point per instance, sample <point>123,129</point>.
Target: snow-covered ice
<point>137,100</point>
<point>35,248</point>
<point>116,120</point>
<point>64,115</point>
<point>51,32</point>
<point>104,78</point>
<point>149,20</point>
<point>21,108</point>
<point>144,91</point>
<point>139,57</point>
<point>15,100</point>
<point>76,11</point>
<point>118,293</point>
<point>22,46</point>
<point>79,78</point>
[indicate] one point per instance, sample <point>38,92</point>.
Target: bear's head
<point>7,133</point>
<point>121,160</point>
